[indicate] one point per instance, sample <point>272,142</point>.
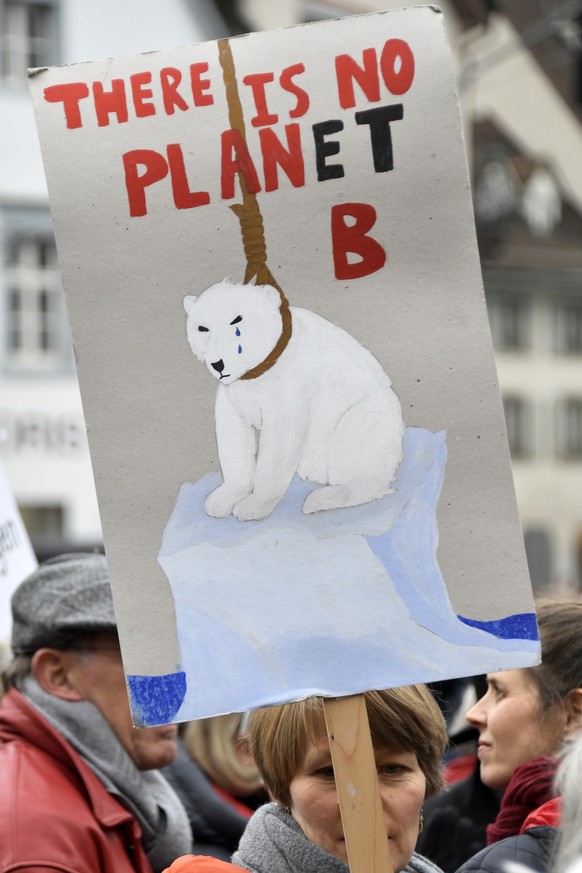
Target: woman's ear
<point>573,707</point>
<point>51,669</point>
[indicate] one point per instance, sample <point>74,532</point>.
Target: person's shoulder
<point>469,798</point>
<point>531,849</point>
<point>22,762</point>
<point>38,780</point>
<point>31,748</point>
<point>420,864</point>
<point>50,819</point>
<point>451,795</point>
<point>200,864</point>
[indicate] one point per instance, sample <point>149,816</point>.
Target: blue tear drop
<point>240,350</point>
<point>237,332</point>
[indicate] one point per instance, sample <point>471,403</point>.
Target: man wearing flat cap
<point>80,790</point>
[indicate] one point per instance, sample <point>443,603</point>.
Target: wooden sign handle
<point>356,780</point>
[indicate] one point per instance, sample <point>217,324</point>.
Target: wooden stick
<point>356,779</point>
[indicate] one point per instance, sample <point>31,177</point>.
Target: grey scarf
<point>273,842</point>
<point>145,793</point>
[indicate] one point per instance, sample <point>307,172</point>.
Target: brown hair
<point>560,628</point>
<point>406,718</point>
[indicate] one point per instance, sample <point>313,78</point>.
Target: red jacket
<point>55,814</point>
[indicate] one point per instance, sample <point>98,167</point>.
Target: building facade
<point>43,444</point>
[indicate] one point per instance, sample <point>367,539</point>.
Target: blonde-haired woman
<point>217,781</point>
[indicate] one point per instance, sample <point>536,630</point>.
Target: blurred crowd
<point>476,775</point>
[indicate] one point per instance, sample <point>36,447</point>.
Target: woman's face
<point>315,805</point>
<point>511,727</point>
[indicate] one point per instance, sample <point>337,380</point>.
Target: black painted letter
<point>325,150</point>
<point>379,120</point>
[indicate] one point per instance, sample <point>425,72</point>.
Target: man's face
<point>95,670</point>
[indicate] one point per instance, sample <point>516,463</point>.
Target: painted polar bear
<point>325,409</point>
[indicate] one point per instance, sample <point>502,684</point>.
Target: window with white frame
<point>569,428</point>
<point>43,520</point>
<point>568,322</point>
<point>37,336</point>
<point>509,319</point>
<point>28,37</point>
<point>518,426</point>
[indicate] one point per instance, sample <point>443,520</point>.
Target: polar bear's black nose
<point>218,365</point>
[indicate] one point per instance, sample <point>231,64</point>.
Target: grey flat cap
<point>64,597</point>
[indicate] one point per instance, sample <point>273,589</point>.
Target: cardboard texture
<point>304,488</point>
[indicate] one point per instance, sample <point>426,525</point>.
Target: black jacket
<point>533,849</point>
<point>455,822</point>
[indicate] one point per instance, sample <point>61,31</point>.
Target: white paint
<point>325,409</point>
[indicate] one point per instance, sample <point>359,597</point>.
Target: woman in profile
<point>524,719</point>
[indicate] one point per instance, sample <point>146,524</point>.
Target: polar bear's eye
<point>202,329</point>
<point>237,319</point>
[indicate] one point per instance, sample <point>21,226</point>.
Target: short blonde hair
<point>406,718</point>
<point>218,745</point>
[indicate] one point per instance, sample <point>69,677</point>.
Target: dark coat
<point>216,824</point>
<point>533,849</point>
<point>455,822</point>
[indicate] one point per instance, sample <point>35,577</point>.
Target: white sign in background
<point>17,558</point>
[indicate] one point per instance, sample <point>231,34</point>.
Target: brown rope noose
<point>249,216</point>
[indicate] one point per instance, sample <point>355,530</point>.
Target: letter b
<point>354,238</point>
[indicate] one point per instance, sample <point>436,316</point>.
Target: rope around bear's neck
<point>280,345</point>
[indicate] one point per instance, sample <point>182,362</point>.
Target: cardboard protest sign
<point>268,250</point>
<point>17,558</point>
